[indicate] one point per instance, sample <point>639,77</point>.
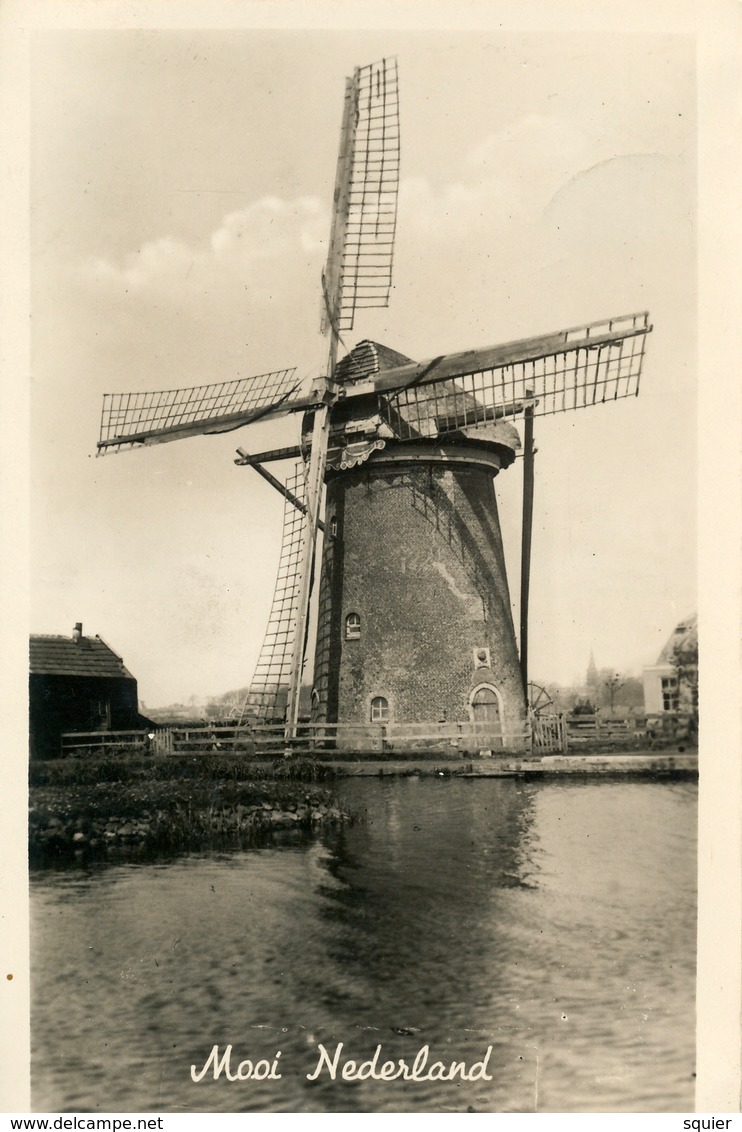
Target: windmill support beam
<point>525,557</point>
<point>246,460</point>
<point>271,479</point>
<point>315,484</point>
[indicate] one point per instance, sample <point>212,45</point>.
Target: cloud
<point>509,176</point>
<point>160,260</point>
<point>501,222</point>
<point>246,242</point>
<point>549,146</point>
<point>271,227</point>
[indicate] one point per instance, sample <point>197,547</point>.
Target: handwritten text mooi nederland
<point>338,1068</point>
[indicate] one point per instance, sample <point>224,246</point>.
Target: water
<point>554,922</point>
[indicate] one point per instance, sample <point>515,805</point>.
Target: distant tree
<point>628,694</point>
<point>612,685</point>
<point>225,706</point>
<point>631,694</point>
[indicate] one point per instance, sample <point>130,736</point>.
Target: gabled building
<point>671,685</point>
<point>77,683</point>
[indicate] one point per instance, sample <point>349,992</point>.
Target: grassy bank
<point>92,807</point>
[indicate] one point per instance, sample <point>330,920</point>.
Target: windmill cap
<point>367,358</point>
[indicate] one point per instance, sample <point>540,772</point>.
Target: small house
<point>77,683</point>
<point>671,685</point>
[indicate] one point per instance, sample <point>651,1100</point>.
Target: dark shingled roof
<point>684,639</point>
<point>61,656</point>
<point>367,358</point>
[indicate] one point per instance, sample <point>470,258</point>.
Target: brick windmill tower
<point>395,465</point>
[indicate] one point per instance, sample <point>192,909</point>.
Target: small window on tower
<point>352,626</point>
<point>379,710</point>
<point>334,527</point>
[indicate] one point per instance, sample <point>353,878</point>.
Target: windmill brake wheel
<point>538,699</point>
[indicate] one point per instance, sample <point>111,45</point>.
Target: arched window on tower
<point>379,710</point>
<point>352,626</point>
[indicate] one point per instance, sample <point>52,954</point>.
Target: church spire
<point>591,680</point>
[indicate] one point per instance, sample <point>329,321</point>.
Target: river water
<point>551,921</point>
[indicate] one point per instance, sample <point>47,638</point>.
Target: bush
<point>169,804</point>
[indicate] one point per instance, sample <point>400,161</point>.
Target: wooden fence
<point>312,739</point>
<point>342,738</point>
<point>548,733</point>
<point>102,742</point>
<point>543,734</point>
<point>605,727</point>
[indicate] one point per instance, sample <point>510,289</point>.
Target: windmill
<point>414,619</point>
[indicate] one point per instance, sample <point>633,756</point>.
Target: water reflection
<point>421,891</point>
<point>553,922</point>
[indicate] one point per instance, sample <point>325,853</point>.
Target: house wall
<point>652,677</point>
<point>60,703</point>
<point>686,683</point>
<point>418,556</point>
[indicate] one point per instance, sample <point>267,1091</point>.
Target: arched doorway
<point>485,709</point>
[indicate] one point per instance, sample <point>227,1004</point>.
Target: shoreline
<point>587,763</point>
<point>88,808</point>
<point>102,807</point>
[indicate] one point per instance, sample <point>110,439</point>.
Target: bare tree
<point>612,684</point>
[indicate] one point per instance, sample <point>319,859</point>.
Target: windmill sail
<point>359,265</point>
<point>268,692</point>
<point>129,420</point>
<point>358,275</point>
<point>551,374</point>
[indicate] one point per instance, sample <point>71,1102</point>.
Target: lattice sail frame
<point>128,419</point>
<point>359,266</point>
<point>267,695</point>
<point>560,380</point>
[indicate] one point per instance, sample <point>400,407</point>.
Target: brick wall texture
<point>417,555</point>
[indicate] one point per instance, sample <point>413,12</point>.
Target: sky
<point>181,184</point>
